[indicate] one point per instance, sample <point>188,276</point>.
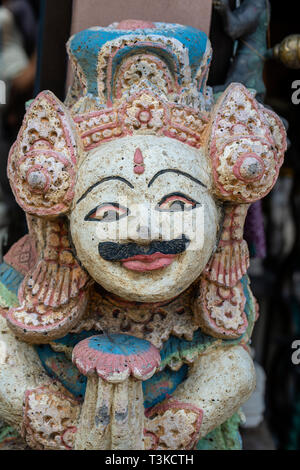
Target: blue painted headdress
<point>173,61</point>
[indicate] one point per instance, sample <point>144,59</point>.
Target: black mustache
<point>111,251</point>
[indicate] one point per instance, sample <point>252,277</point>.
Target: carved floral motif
<point>49,417</point>
<point>172,425</point>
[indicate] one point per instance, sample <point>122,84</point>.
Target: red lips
<point>148,262</point>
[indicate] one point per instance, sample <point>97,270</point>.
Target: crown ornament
<point>142,113</point>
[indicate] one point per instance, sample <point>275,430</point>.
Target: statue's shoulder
<point>17,262</point>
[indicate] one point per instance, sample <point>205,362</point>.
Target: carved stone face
<point>143,221</point>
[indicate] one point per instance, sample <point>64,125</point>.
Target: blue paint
<point>119,344</point>
<point>10,277</point>
<point>86,45</point>
<point>59,367</point>
<point>71,339</point>
<point>158,387</point>
<point>162,385</point>
<point>248,305</point>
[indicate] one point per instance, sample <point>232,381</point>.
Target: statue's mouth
<point>136,257</point>
<point>148,262</point>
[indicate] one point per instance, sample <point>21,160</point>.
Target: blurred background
<point>244,35</point>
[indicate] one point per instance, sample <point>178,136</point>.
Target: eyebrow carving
<point>107,178</point>
<point>178,172</point>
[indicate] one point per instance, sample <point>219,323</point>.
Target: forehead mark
<point>138,159</point>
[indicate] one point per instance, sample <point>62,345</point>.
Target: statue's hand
<point>172,425</point>
<point>50,418</point>
<point>111,417</point>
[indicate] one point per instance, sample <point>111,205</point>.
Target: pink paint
<point>88,116</point>
<point>51,393</point>
<point>70,430</point>
<point>159,64</point>
<point>282,148</point>
<point>43,185</point>
<point>54,330</point>
<point>138,156</point>
<point>144,116</point>
<point>68,197</point>
<point>153,437</point>
<point>139,160</point>
<point>226,332</point>
<point>243,158</point>
<point>143,263</point>
<point>113,366</point>
<point>178,405</point>
<point>135,24</point>
<point>110,125</point>
<point>66,125</point>
<point>2,312</point>
<point>216,152</point>
<point>22,256</point>
<point>64,120</point>
<point>39,143</point>
<point>139,169</point>
<point>118,118</point>
<point>111,58</point>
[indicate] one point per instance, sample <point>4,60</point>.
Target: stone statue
<point>127,310</point>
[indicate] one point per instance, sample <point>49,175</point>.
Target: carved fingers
<point>112,416</point>
<point>53,295</point>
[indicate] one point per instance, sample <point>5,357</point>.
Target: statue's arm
<point>241,21</point>
<point>20,370</point>
<point>219,382</point>
<point>42,410</point>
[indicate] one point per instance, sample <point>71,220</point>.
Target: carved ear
<point>41,162</point>
<point>246,146</point>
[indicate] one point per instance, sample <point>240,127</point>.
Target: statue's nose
<point>144,232</point>
<point>143,228</point>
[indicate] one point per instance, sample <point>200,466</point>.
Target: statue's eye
<point>107,212</point>
<point>176,202</point>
